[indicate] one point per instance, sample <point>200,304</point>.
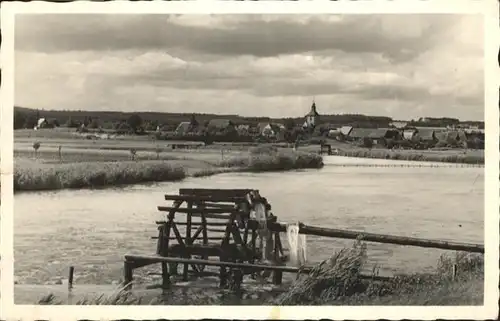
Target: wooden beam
<point>195,224</point>
<point>206,198</point>
<point>216,230</point>
<point>215,191</point>
<point>209,215</point>
<point>210,205</point>
<point>199,210</point>
<point>282,268</point>
<point>193,239</point>
<point>198,231</point>
<point>382,238</point>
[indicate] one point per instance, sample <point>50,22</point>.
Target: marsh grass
<point>336,281</point>
<point>94,169</point>
<point>41,176</point>
<point>414,155</point>
<point>272,159</point>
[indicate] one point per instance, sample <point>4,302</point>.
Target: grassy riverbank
<point>463,156</point>
<point>337,282</point>
<point>467,157</point>
<point>93,169</point>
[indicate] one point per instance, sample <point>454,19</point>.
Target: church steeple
<point>312,116</point>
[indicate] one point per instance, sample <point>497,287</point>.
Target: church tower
<point>312,118</point>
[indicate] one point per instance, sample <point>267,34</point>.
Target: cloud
<point>398,65</point>
<point>250,35</point>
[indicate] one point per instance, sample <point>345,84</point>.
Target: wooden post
<point>165,275</point>
<point>128,275</point>
<point>280,245</point>
<point>204,229</point>
<point>188,241</point>
<point>161,236</point>
<point>172,267</point>
<point>237,279</point>
<point>223,273</point>
<point>245,234</point>
<point>70,277</point>
<point>277,275</point>
<point>166,235</point>
<point>254,240</point>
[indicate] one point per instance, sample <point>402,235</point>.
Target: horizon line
<point>237,115</point>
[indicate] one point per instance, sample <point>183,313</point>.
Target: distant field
<point>50,154</point>
<point>81,163</point>
<point>70,141</point>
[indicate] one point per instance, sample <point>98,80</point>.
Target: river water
<point>93,229</point>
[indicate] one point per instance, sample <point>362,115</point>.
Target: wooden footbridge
<point>217,227</point>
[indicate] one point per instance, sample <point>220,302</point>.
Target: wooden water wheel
<point>214,223</point>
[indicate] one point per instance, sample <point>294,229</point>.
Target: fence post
<point>70,277</point>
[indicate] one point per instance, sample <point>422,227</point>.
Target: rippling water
<point>93,229</point>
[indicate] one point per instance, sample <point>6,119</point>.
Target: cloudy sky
<point>402,66</point>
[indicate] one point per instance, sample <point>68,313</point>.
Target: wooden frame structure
<point>225,215</point>
<point>217,224</point>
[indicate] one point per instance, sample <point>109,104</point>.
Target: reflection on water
<point>93,229</point>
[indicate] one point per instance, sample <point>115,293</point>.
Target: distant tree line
<point>142,122</point>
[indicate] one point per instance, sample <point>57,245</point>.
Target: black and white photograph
<point>249,159</point>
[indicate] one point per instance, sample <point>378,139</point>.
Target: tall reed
<point>90,175</point>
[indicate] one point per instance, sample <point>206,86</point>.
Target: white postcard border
<point>489,9</point>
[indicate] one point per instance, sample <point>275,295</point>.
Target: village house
<point>452,137</point>
<point>166,128</point>
<point>381,135</point>
<point>427,135</point>
<point>327,129</point>
<point>345,130</point>
<point>271,130</point>
<point>254,130</point>
<point>401,125</point>
<point>472,133</point>
<point>376,135</point>
<point>358,134</point>
<point>41,123</point>
<point>183,128</point>
<point>46,123</point>
<point>409,133</point>
<point>220,126</point>
<point>334,133</point>
<point>123,128</point>
<point>243,130</point>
